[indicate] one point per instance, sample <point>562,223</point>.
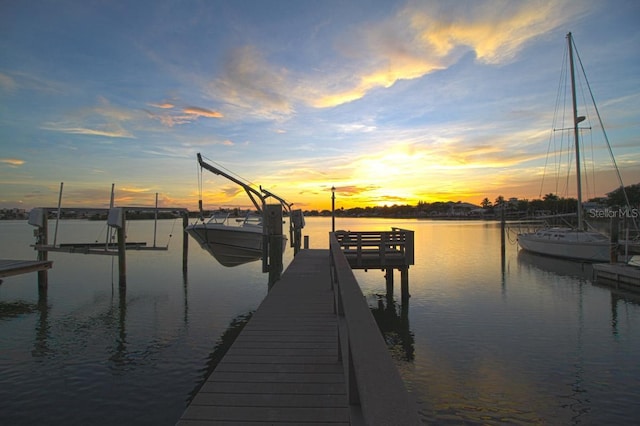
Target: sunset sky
<point>391,102</point>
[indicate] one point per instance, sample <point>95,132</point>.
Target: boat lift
<point>259,200</point>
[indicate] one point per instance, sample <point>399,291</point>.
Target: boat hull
<point>586,246</point>
<point>229,245</point>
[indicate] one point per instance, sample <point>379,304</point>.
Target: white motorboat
<point>231,240</point>
<point>571,243</point>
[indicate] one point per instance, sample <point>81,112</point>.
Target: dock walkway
<point>284,367</point>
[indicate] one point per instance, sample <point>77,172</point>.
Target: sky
<point>389,102</point>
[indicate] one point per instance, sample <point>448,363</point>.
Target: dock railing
<point>374,384</point>
<point>364,249</point>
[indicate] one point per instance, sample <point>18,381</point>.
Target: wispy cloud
<point>419,39</point>
<point>7,83</point>
<point>172,115</point>
<point>114,131</point>
<point>14,162</point>
<point>428,36</point>
<point>252,87</point>
<point>103,119</point>
<point>202,112</point>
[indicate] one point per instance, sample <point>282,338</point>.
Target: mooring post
<point>296,220</point>
<point>122,250</point>
<point>43,240</point>
<point>185,240</point>
<point>273,223</point>
<point>389,278</point>
<point>614,240</point>
<point>116,219</point>
<point>333,209</point>
<point>404,285</point>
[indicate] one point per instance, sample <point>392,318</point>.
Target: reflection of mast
<point>579,401</point>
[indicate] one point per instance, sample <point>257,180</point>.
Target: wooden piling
<point>117,219</point>
<point>389,281</point>
<point>43,240</point>
<point>614,239</point>
<point>122,250</point>
<point>404,285</point>
<point>273,229</point>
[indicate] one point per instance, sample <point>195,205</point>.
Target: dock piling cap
<point>36,217</point>
<point>114,218</point>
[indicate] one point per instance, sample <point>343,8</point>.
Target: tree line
<point>548,204</point>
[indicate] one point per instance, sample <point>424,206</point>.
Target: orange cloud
<point>428,36</point>
<point>163,105</point>
<point>202,112</point>
<point>12,161</point>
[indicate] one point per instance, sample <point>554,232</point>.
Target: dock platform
<point>284,367</point>
<point>310,354</point>
<point>9,267</point>
<point>618,273</point>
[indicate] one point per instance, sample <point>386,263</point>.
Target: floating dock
<point>311,354</point>
<point>618,273</point>
<point>10,267</point>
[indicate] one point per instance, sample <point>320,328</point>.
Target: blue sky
<point>390,102</point>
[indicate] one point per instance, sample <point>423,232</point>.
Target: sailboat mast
<point>576,120</point>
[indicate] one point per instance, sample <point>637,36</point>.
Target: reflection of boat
<point>573,243</point>
<point>558,266</point>
<point>236,242</point>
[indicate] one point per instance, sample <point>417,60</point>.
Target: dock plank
<point>284,366</point>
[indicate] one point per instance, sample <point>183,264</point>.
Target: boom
<point>252,193</point>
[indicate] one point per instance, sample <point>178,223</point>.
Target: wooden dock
<point>293,361</point>
<point>10,267</point>
<point>618,273</point>
<point>378,249</point>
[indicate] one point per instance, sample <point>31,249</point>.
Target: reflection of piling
<point>185,240</point>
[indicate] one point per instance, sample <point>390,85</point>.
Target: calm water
<point>522,340</point>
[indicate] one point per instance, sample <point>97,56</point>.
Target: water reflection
<point>393,321</point>
<point>9,310</point>
<point>584,272</point>
<point>222,346</point>
<point>562,267</point>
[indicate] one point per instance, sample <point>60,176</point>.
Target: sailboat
<point>567,242</point>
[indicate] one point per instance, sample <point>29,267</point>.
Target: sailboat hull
<point>567,243</point>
